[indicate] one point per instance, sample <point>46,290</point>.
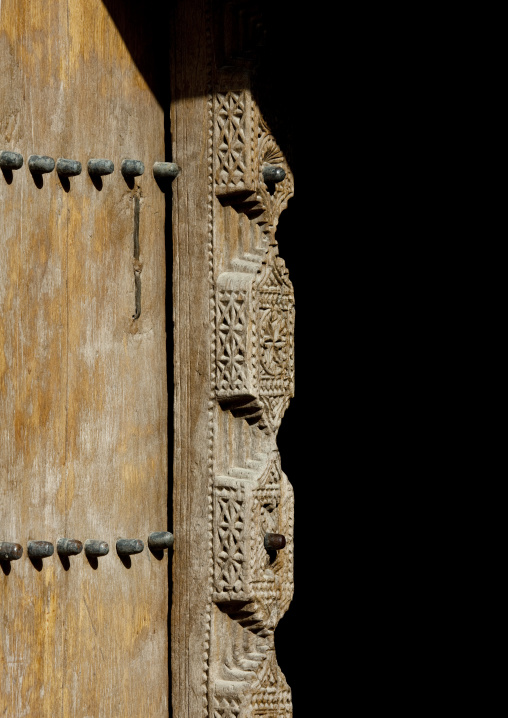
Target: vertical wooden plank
<point>191,296</point>
<point>83,397</point>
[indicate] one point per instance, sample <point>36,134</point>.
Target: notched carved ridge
<point>250,502</point>
<point>253,379</point>
<point>244,146</point>
<point>255,340</point>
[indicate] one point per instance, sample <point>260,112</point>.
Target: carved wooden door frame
<point>233,310</point>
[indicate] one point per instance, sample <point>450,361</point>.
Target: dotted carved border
<point>211,400</point>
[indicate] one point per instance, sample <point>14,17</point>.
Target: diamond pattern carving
<point>232,141</point>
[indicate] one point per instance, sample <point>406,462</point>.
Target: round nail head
<point>69,547</point>
<point>11,160</point>
<point>125,547</point>
<point>273,174</point>
<point>70,168</point>
<point>166,170</point>
<point>95,547</point>
<point>159,540</point>
<point>132,168</point>
<point>40,549</point>
<point>10,551</point>
<point>41,164</point>
<point>274,542</point>
<point>100,167</point>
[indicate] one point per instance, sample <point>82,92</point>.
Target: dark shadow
<point>92,560</point>
<point>165,186</point>
<point>156,553</point>
<point>38,179</point>
<point>64,181</point>
<point>272,555</point>
<point>96,181</point>
<point>64,560</point>
<point>6,567</point>
<point>144,29</point>
<point>126,560</point>
<point>36,563</point>
<point>271,187</point>
<point>8,175</point>
<point>129,181</point>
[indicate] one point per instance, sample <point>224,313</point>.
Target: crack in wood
<point>137,265</point>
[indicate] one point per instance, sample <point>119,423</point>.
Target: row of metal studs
<point>157,541</point>
<point>41,164</point>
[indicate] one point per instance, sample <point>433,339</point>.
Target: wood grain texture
<point>83,396</point>
<point>191,289</point>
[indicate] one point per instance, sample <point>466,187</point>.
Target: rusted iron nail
<point>100,167</point>
<point>96,548</point>
<point>132,168</point>
<point>10,551</point>
<point>159,540</point>
<point>70,168</point>
<point>69,547</point>
<point>273,174</point>
<point>40,549</point>
<point>11,160</point>
<point>274,542</point>
<point>125,547</point>
<point>166,170</point>
<point>40,164</point>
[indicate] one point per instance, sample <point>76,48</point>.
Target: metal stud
<point>100,167</point>
<point>11,160</point>
<point>274,542</point>
<point>40,549</point>
<point>68,547</point>
<point>166,170</point>
<point>10,551</point>
<point>125,547</point>
<point>70,168</point>
<point>96,548</point>
<point>40,164</point>
<point>159,540</point>
<point>273,174</point>
<point>132,168</point>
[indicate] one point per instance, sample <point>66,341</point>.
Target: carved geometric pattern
<point>255,342</point>
<point>229,529</point>
<point>269,153</point>
<point>232,142</point>
<point>226,707</point>
<point>268,694</point>
<point>244,145</point>
<point>231,325</point>
<point>271,696</point>
<point>253,378</point>
<point>275,319</point>
<point>244,511</point>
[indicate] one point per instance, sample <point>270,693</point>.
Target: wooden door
<point>83,387</point>
<point>83,397</point>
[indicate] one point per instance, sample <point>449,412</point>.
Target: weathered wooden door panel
<point>83,397</point>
